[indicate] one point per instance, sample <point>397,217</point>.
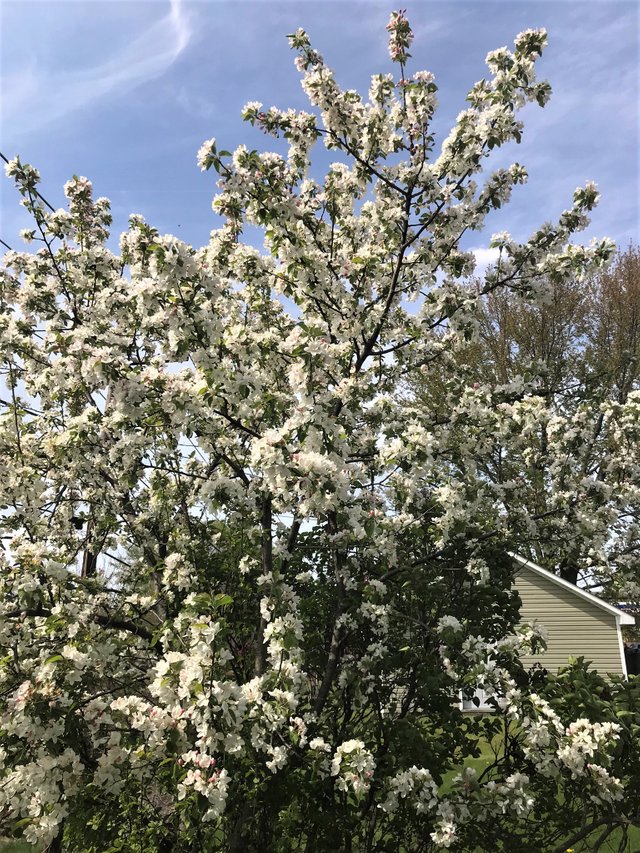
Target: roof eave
<point>622,617</point>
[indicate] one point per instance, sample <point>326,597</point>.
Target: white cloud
<point>34,96</point>
<point>484,258</point>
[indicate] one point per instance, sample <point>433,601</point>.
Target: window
<point>480,703</point>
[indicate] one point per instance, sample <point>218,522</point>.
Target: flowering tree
<point>242,587</point>
<point>569,364</point>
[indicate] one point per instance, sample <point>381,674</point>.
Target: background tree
<point>575,354</point>
<point>242,584</point>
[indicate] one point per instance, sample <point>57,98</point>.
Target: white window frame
<point>468,705</point>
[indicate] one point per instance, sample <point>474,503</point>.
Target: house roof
<point>624,618</point>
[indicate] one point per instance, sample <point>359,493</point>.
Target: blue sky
<point>124,92</point>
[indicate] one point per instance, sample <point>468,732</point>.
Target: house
<point>578,624</point>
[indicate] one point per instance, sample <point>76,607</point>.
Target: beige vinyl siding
<point>575,627</point>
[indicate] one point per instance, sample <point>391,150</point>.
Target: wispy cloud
<point>194,104</point>
<point>34,96</point>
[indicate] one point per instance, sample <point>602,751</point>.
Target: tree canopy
<point>568,481</point>
<point>244,579</point>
